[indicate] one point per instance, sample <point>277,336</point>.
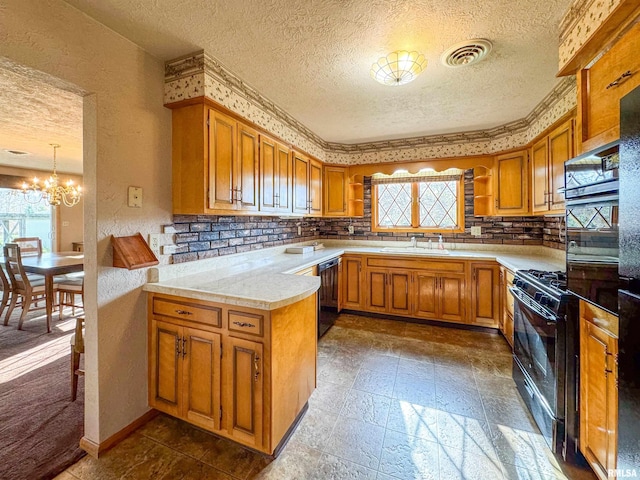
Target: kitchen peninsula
<point>232,340</point>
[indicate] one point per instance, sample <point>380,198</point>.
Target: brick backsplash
<point>203,236</point>
<point>554,232</point>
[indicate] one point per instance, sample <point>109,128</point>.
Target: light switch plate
<point>476,231</point>
<point>350,229</point>
<point>135,197</point>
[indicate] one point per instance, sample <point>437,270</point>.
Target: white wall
<point>127,141</point>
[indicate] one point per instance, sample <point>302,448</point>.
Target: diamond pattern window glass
<point>417,203</point>
<point>438,204</point>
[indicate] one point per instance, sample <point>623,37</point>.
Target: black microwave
<point>591,195</point>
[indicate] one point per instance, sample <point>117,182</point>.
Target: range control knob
<point>544,300</point>
<point>538,296</point>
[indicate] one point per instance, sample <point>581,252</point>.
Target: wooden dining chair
<point>68,287</point>
<point>6,290</point>
<point>29,245</point>
<point>77,349</point>
<point>28,290</point>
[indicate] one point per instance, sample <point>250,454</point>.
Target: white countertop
<point>263,279</point>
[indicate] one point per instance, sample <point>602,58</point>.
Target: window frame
<point>415,212</point>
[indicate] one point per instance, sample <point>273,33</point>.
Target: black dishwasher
<point>328,297</point>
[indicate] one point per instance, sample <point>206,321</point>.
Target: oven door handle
<point>596,199</point>
<point>529,303</point>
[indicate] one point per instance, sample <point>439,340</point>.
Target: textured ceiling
<point>34,114</point>
<point>312,58</point>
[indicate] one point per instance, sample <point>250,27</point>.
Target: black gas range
<point>545,355</point>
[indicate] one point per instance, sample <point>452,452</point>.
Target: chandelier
<point>398,67</point>
<point>50,191</point>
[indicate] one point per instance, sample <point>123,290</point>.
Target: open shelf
<point>482,191</point>
<point>356,196</point>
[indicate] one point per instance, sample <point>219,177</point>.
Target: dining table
<point>49,265</point>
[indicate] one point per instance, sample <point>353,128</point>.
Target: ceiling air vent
<point>466,53</point>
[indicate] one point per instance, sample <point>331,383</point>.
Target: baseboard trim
<point>96,449</point>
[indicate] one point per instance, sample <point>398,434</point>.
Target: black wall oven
<point>592,226</point>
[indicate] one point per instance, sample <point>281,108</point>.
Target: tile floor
<point>394,401</point>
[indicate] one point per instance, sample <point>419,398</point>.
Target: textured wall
<point>554,232</point>
<point>127,141</point>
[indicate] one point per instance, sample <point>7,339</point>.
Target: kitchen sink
<point>415,250</point>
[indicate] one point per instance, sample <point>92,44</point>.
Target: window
<point>19,218</point>
<point>428,201</point>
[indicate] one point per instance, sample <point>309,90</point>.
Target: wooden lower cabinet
<point>243,390</point>
<point>352,287</point>
<point>439,297</point>
<point>241,373</point>
<point>506,305</point>
<point>485,294</point>
<point>388,291</point>
<point>598,390</point>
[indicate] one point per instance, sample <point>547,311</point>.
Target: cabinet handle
<point>184,347</point>
<point>177,347</point>
<point>183,312</point>
<point>244,324</point>
<point>617,81</point>
<point>256,359</point>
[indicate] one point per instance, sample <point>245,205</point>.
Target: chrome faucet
<point>414,242</point>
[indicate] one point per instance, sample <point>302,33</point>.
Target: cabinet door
<point>560,150</point>
<point>399,300</point>
<point>485,294</point>
<point>335,191</point>
<point>511,179</point>
<point>300,183</point>
<point>166,367</point>
<point>222,161</point>
<point>315,187</point>
<point>243,393</point>
<point>600,89</point>
<point>452,297</point>
<point>283,190</point>
<point>540,176</point>
<point>377,292</point>
<point>425,295</point>
<point>268,174</point>
<point>352,282</point>
<point>598,397</point>
<point>247,168</point>
<point>201,378</point>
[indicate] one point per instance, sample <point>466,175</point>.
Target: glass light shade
<point>398,67</point>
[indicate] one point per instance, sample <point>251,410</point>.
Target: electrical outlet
<point>476,231</point>
<point>154,242</point>
<point>351,229</point>
<point>65,223</point>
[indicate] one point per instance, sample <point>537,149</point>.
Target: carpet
<point>40,427</point>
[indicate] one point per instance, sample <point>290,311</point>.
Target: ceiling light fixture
<point>49,191</point>
<point>398,67</point>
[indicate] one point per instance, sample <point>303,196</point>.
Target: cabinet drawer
<point>187,311</point>
<point>243,322</point>
<point>415,264</point>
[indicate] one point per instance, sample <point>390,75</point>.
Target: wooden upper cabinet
<point>510,184</point>
<point>335,191</point>
<point>315,187</point>
<point>598,396</point>
<point>247,169</point>
<point>307,185</point>
<point>540,176</point>
<point>275,176</point>
<point>600,88</point>
<point>223,134</point>
<point>547,168</point>
<point>560,150</point>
